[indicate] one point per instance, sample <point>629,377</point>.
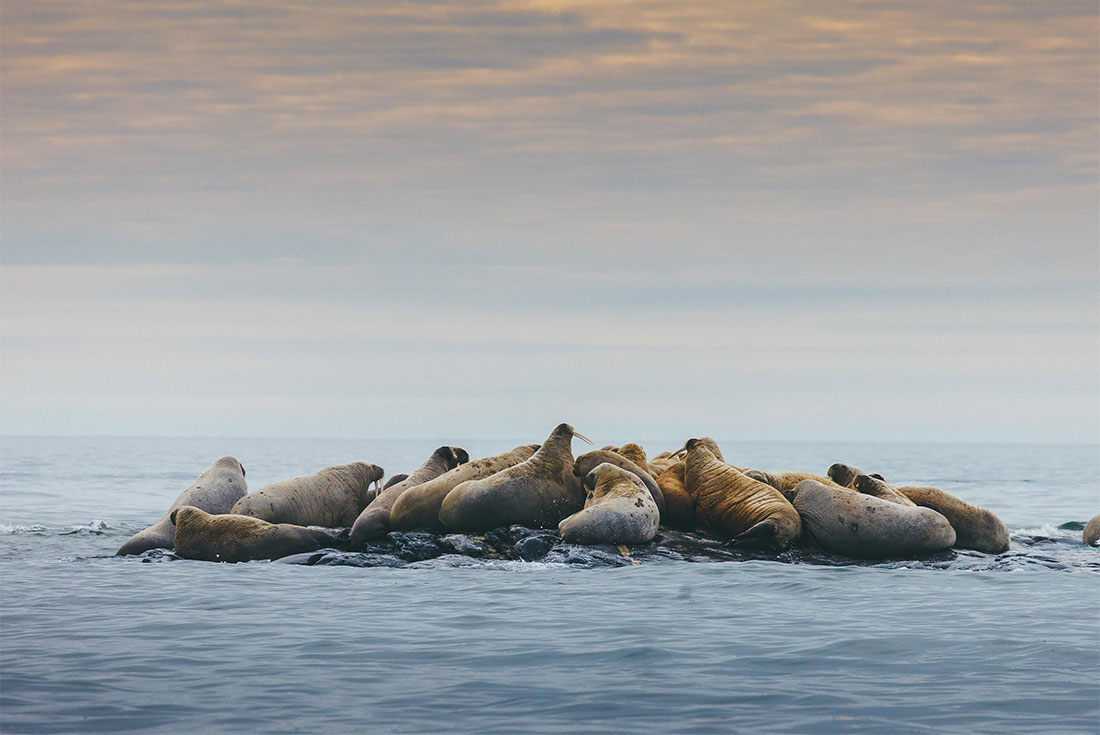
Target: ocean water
<point>961,642</point>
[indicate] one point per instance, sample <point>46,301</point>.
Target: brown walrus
<point>785,482</point>
<point>331,497</point>
<point>1091,534</point>
<point>418,507</point>
<point>862,525</point>
<point>619,509</point>
<point>975,528</point>
<point>374,521</point>
<point>538,492</point>
<point>634,453</point>
<point>679,505</point>
<point>588,462</point>
<point>215,490</point>
<point>233,538</point>
<point>881,489</point>
<point>845,474</point>
<point>736,505</point>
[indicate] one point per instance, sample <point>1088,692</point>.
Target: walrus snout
<point>567,430</point>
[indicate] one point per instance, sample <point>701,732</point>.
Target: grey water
<point>960,643</point>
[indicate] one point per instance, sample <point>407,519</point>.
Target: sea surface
<point>961,642</point>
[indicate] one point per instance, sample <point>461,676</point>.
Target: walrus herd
<point>613,495</point>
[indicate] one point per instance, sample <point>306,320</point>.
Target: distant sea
<point>964,643</point>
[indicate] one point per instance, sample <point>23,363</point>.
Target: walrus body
<point>215,490</point>
<point>736,505</point>
<point>619,509</point>
<point>331,497</point>
<point>1091,534</point>
<point>679,505</point>
<point>590,460</point>
<point>538,492</point>
<point>233,538</point>
<point>418,507</point>
<point>880,489</point>
<point>864,526</point>
<point>374,521</point>
<point>785,482</point>
<point>975,528</point>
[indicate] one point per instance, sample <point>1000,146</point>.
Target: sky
<point>864,220</point>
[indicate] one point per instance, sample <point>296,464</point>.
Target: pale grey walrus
<point>1091,534</point>
<point>232,538</point>
<point>737,505</point>
<point>418,507</point>
<point>618,509</point>
<point>215,490</point>
<point>588,462</point>
<point>331,497</point>
<point>538,492</point>
<point>374,521</point>
<point>975,528</point>
<point>854,524</point>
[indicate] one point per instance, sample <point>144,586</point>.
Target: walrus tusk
<point>582,437</point>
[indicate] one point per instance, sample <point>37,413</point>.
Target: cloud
<point>581,203</point>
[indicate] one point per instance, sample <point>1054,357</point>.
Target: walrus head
<point>186,508</point>
<point>451,457</point>
<point>565,430</point>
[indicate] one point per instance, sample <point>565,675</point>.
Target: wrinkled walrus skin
<point>588,462</point>
<point>215,490</point>
<point>538,492</point>
<point>418,507</point>
<point>975,528</point>
<point>331,497</point>
<point>235,538</point>
<point>374,521</point>
<point>854,524</point>
<point>736,505</point>
<point>619,509</point>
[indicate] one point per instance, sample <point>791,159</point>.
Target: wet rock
<point>535,546</point>
<point>416,545</point>
<point>465,545</point>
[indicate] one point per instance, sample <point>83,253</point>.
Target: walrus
<point>331,497</point>
<point>975,528</point>
<point>618,509</point>
<point>1091,534</point>
<point>785,482</point>
<point>679,505</point>
<point>374,521</point>
<point>634,453</point>
<point>854,524</point>
<point>662,462</point>
<point>588,462</point>
<point>880,489</point>
<point>215,490</point>
<point>736,505</point>
<point>845,474</point>
<point>538,492</point>
<point>392,481</point>
<point>232,537</point>
<point>418,507</point>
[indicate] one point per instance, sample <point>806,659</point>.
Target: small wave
<point>94,527</point>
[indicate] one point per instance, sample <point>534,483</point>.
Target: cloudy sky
<point>756,220</point>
